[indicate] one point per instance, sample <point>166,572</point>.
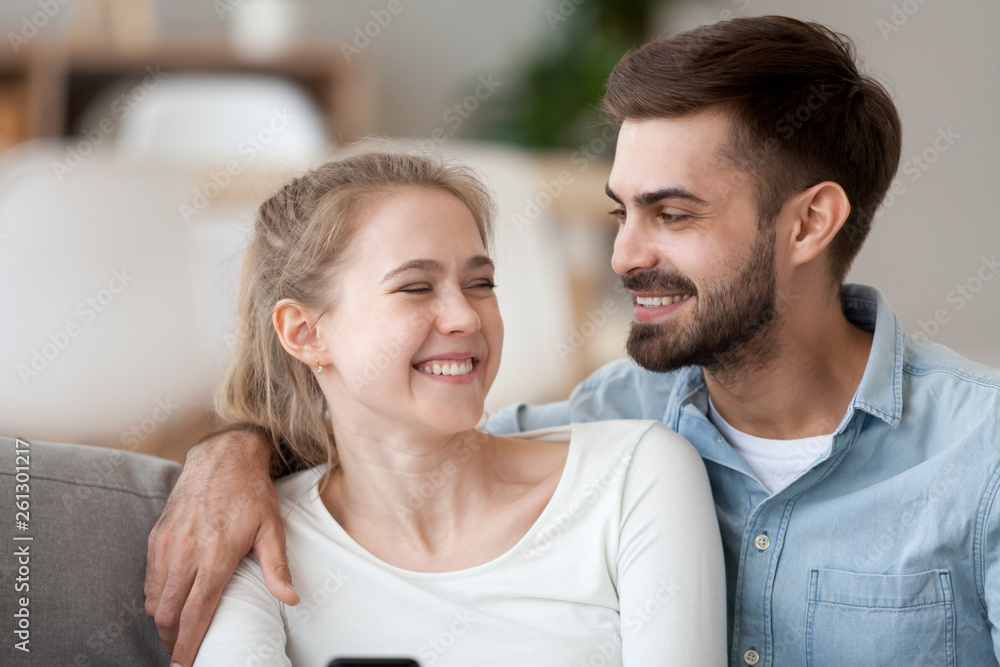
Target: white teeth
<point>653,301</point>
<point>463,367</point>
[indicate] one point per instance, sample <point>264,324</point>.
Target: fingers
<point>167,615</point>
<point>210,520</point>
<point>153,584</point>
<point>197,615</point>
<point>269,547</point>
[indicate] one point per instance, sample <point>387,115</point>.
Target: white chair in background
<point>205,119</point>
<point>115,310</point>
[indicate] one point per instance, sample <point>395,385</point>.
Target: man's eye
<point>415,289</point>
<point>618,213</point>
<point>484,284</point>
<point>673,217</point>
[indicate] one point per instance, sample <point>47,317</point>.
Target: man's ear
<point>297,332</point>
<point>818,214</point>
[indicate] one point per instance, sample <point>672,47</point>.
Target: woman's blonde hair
<point>299,241</point>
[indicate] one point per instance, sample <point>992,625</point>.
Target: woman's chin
<point>456,417</point>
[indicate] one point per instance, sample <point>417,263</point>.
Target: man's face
<point>689,248</point>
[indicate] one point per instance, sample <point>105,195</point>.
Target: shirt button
<point>761,542</point>
<point>751,657</point>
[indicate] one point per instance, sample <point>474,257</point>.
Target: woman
<point>369,337</point>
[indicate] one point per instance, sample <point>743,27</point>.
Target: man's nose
<point>633,249</point>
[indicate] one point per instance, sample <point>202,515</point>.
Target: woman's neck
<point>457,504</point>
<point>419,490</point>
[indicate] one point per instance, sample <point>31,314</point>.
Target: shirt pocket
<point>880,619</point>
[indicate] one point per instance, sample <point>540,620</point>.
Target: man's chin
<point>654,350</point>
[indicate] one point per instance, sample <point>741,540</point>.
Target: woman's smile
<point>455,368</point>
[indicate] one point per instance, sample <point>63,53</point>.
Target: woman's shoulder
<point>299,489</point>
<point>621,443</point>
<point>612,429</point>
<point>642,449</point>
<point>634,434</point>
<point>627,428</point>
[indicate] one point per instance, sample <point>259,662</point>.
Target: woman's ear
<point>819,212</point>
<point>296,329</point>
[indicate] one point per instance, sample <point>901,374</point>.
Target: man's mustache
<point>653,280</point>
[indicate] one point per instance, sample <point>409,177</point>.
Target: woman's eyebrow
<point>478,261</point>
<point>429,265</point>
<point>434,266</point>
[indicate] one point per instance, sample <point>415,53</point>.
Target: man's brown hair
<point>801,113</point>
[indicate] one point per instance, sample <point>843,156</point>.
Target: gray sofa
<point>89,513</point>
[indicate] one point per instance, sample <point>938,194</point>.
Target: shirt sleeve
<point>247,627</point>
<point>619,390</point>
<point>671,577</point>
<point>988,557</point>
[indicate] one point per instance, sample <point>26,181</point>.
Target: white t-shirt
<point>623,567</point>
<point>776,463</point>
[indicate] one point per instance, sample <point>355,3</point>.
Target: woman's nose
<point>457,315</point>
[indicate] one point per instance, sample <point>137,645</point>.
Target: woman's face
<point>413,340</point>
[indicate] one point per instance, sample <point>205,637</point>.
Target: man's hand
<point>223,506</point>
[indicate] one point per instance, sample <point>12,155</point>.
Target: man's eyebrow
<point>610,193</point>
<point>435,266</point>
<point>644,199</point>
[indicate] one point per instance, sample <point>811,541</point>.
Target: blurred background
<point>137,138</point>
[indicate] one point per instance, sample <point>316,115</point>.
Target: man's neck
<point>806,388</point>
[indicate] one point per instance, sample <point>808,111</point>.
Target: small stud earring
<point>319,369</point>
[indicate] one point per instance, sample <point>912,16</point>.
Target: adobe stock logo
<point>31,26</point>
<point>363,35</point>
<point>958,297</point>
<point>899,17</point>
<point>59,340</point>
<point>249,148</point>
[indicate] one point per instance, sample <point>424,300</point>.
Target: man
<point>855,469</point>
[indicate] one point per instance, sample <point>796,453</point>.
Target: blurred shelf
<point>45,88</point>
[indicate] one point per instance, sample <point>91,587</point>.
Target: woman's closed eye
<point>424,288</point>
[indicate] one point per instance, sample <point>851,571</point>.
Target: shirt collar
<point>880,392</point>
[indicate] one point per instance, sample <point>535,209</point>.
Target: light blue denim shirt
<point>886,549</point>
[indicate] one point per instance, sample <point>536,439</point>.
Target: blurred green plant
<point>553,100</point>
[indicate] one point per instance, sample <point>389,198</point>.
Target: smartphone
<point>373,662</point>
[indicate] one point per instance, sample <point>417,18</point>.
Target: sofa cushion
<point>88,512</point>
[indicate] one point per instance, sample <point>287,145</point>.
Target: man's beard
<point>729,330</point>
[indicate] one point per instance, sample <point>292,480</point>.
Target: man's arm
<point>619,390</point>
<point>522,417</point>
<point>223,506</point>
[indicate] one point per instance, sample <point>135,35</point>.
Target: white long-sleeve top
<point>623,567</point>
